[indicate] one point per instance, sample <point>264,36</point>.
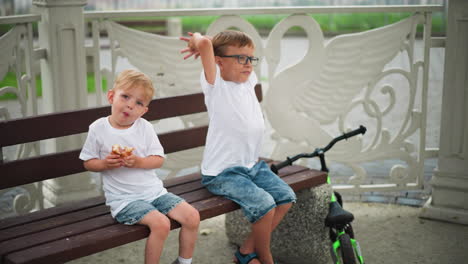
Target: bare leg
<point>280,212</point>
<point>159,226</point>
<point>189,219</point>
<point>249,244</point>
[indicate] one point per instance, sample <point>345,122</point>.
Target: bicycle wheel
<point>338,198</point>
<point>347,251</point>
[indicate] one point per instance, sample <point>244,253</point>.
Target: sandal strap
<point>245,259</point>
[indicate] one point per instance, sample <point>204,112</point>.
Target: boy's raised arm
<point>201,46</point>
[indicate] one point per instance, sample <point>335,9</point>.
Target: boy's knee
<point>158,223</point>
<point>163,228</point>
<point>192,219</point>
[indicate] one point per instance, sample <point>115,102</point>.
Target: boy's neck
<point>113,125</point>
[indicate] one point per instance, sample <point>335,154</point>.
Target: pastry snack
<point>122,151</point>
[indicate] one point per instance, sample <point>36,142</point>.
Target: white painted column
<point>449,201</point>
<point>63,72</point>
<point>174,27</point>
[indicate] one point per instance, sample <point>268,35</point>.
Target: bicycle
<point>344,248</point>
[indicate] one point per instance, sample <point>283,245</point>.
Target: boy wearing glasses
<point>230,166</point>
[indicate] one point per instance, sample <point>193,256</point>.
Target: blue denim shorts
<point>136,210</point>
<point>256,190</point>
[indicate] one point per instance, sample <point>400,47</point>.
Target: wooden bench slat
<point>51,212</point>
<point>183,139</point>
<point>53,222</point>
<point>45,126</point>
<point>82,204</point>
<point>93,207</point>
<point>181,180</point>
<point>60,164</point>
<point>195,189</point>
<point>42,127</point>
<point>197,192</point>
<point>66,249</point>
<point>214,206</point>
<point>49,166</point>
<point>30,240</point>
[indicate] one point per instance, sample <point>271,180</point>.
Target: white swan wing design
<point>351,62</point>
<point>159,57</point>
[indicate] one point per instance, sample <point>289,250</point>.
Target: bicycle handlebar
<point>318,151</point>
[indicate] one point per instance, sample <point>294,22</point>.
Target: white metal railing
<point>319,96</point>
<point>17,55</point>
<point>263,11</point>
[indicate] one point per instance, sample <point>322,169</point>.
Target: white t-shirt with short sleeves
<point>235,133</point>
<point>124,185</point>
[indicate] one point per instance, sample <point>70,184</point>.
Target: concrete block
<point>301,238</point>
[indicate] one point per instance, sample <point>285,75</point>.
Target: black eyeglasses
<point>243,59</point>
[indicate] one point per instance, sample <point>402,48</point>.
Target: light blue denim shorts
<point>136,210</point>
<point>256,190</point>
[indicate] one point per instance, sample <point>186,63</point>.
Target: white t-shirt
<point>235,132</point>
<point>124,185</point>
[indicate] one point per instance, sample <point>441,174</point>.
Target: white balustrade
<point>17,55</point>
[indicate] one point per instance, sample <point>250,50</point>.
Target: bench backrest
<point>49,166</point>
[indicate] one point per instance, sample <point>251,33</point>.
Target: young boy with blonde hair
<point>230,166</point>
<point>133,191</point>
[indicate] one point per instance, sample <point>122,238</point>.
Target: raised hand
<point>191,48</point>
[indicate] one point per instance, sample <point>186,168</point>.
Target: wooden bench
<point>81,228</point>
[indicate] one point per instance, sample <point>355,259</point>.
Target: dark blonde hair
<point>132,78</point>
<point>230,38</point>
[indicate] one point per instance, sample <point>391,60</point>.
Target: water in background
<point>11,7</point>
<point>170,4</point>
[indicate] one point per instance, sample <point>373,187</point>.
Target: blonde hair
<point>230,38</point>
<point>131,78</point>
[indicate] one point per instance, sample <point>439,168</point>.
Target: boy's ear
<point>218,60</point>
<point>110,96</point>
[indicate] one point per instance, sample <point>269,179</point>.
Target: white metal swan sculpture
<point>319,90</point>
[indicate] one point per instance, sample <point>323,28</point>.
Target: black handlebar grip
<point>360,130</point>
<point>276,167</point>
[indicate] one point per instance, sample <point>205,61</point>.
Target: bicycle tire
<point>347,250</point>
<point>339,199</point>
<point>332,234</point>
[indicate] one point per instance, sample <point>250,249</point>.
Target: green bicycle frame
<point>337,244</point>
<point>333,197</point>
<point>354,243</point>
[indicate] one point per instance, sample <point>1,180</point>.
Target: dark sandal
<point>245,259</point>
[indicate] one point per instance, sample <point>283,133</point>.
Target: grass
<point>330,23</point>
<point>10,80</point>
